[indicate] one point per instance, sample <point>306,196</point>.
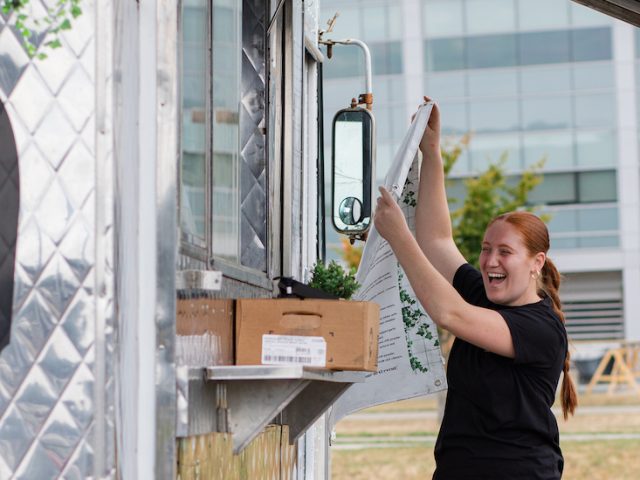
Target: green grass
<point>612,460</point>
<point>390,458</point>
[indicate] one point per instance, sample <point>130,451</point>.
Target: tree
<point>489,194</point>
<point>32,27</point>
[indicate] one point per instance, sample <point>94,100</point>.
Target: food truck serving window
<point>222,193</point>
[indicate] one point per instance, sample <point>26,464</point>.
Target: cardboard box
<point>350,330</point>
<point>205,324</point>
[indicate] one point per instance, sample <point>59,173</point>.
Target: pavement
<point>359,443</point>
<point>362,442</point>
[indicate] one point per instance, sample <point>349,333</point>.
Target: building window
<point>565,188</point>
<point>544,47</point>
<point>489,51</point>
<point>590,44</point>
<point>518,49</point>
<point>576,187</point>
<point>445,54</point>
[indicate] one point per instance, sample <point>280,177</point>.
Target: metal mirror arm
<point>367,97</point>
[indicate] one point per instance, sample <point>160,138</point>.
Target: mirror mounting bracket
<point>358,236</point>
<point>363,99</point>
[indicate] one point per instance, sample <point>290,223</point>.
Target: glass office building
<point>528,79</point>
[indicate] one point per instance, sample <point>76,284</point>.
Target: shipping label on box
<point>288,349</point>
<point>350,330</point>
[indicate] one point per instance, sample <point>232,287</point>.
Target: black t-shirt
<point>497,421</point>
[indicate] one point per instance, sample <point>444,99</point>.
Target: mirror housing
<point>352,170</point>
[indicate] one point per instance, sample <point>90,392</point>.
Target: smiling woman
<point>10,201</point>
<point>511,342</point>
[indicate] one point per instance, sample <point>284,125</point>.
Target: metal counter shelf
<point>242,400</point>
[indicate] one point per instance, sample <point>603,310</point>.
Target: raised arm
<point>480,326</point>
<point>433,223</point>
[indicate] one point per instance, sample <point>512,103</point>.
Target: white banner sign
<point>409,359</point>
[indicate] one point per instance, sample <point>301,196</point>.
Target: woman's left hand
<point>389,219</point>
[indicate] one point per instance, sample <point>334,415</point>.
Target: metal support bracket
<point>255,395</point>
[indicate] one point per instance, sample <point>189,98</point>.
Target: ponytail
<point>535,236</point>
<point>548,285</point>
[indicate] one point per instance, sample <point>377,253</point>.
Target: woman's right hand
<point>430,141</point>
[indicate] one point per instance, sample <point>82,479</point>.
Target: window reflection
<point>225,158</point>
<point>501,18</point>
<point>556,147</point>
<point>443,17</point>
<point>445,85</point>
<point>512,49</point>
<point>486,150</point>
<point>562,220</point>
<point>588,76</point>
<point>544,47</point>
<point>595,148</point>
<point>455,121</point>
<point>494,115</point>
<point>598,186</point>
<point>209,212</point>
<point>582,16</point>
<point>598,219</point>
<point>386,58</point>
<point>491,51</point>
<point>374,28</point>
<point>556,188</point>
<point>493,82</point>
<point>534,14</point>
<point>444,54</point>
<point>546,113</point>
<point>348,61</point>
<point>583,226</point>
<point>591,44</point>
<point>595,110</point>
<point>545,79</point>
<point>194,99</point>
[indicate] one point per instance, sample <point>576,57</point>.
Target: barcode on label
<point>294,350</point>
<point>281,359</point>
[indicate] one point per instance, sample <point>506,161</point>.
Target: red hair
<point>535,236</point>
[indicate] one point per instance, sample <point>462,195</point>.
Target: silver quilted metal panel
<point>53,418</point>
<point>253,177</point>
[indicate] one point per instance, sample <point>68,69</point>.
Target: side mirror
<point>352,153</point>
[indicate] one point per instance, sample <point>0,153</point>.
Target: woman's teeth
<point>496,276</point>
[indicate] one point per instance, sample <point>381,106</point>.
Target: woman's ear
<point>539,260</point>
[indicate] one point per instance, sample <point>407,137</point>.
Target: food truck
<point>159,165</point>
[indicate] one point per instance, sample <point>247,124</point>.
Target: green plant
<point>334,279</point>
<point>57,19</point>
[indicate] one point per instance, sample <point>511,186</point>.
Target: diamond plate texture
<point>253,186</point>
<point>50,422</point>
